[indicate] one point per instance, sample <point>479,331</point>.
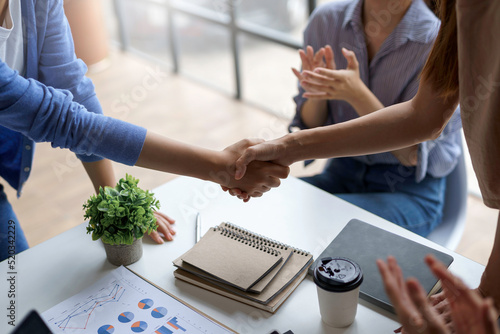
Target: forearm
<point>374,133</point>
<point>100,173</point>
<point>401,125</point>
<point>314,113</point>
<point>365,102</point>
<point>167,155</point>
<point>490,286</point>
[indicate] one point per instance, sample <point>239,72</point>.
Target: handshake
<point>250,167</point>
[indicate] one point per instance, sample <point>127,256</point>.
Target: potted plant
<point>120,217</point>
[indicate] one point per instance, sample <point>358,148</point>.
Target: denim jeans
<point>12,239</point>
<point>389,191</point>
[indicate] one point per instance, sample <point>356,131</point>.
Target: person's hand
<point>468,311</point>
<point>164,227</point>
<point>260,176</point>
<point>310,60</point>
<point>413,309</point>
<point>333,84</point>
<point>273,150</point>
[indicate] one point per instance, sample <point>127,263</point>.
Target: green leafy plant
<point>120,214</point>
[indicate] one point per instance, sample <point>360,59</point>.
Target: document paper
<point>122,302</point>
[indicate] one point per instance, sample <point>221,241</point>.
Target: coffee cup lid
<point>338,274</point>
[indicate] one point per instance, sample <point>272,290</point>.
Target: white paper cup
<point>337,281</point>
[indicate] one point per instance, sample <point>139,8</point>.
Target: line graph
<point>122,302</point>
<point>79,317</point>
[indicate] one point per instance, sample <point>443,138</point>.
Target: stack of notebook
<point>244,266</point>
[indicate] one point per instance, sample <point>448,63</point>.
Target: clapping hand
<point>331,83</point>
<point>310,60</point>
<point>469,311</point>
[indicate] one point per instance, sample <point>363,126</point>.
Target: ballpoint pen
<point>198,227</point>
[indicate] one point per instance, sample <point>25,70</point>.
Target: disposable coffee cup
<point>338,280</point>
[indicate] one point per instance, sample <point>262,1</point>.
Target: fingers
<point>241,164</point>
<point>156,237</point>
<point>279,172</point>
<point>453,287</point>
<point>437,298</point>
<point>352,61</point>
<point>267,151</point>
<point>329,58</point>
<point>419,298</point>
<point>248,142</point>
<point>325,78</point>
<point>297,74</point>
<point>164,216</point>
<point>318,58</point>
<point>397,291</point>
<point>314,89</point>
<point>391,286</point>
<point>306,56</point>
<point>164,226</point>
<point>324,74</point>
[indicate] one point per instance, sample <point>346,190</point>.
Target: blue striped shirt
<point>392,75</point>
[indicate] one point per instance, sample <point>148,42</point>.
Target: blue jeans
<point>389,191</point>
<point>12,239</point>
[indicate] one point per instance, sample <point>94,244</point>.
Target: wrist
<point>293,147</point>
<point>363,100</point>
<point>314,112</point>
<point>220,169</point>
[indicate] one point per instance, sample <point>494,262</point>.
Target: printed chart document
<point>123,302</point>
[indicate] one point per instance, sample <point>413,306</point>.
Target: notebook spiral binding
<point>245,235</point>
<point>247,241</point>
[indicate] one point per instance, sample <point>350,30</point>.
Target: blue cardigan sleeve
<point>46,114</point>
<point>57,64</point>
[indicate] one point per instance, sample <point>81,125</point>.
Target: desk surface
<point>296,213</point>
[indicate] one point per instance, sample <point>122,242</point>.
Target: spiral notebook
<point>252,277</point>
<point>231,257</point>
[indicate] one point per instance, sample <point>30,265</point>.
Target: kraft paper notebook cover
<point>227,255</point>
<point>256,288</point>
<point>275,291</point>
<point>365,243</point>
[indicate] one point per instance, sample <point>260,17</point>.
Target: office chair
<point>449,232</point>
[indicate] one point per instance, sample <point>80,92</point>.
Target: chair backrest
<point>449,232</point>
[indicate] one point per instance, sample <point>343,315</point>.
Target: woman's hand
<point>259,178</point>
<point>332,84</point>
<point>164,227</point>
<point>273,150</point>
<point>463,310</point>
<point>410,301</point>
<point>311,60</point>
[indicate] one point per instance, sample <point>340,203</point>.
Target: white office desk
<point>295,213</point>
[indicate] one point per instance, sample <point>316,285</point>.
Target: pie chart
<point>126,317</point>
<point>145,303</point>
<point>106,329</point>
<point>139,326</point>
<point>159,312</point>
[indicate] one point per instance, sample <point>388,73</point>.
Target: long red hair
<point>441,68</point>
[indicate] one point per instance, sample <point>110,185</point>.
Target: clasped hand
<point>259,178</point>
<point>321,79</point>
